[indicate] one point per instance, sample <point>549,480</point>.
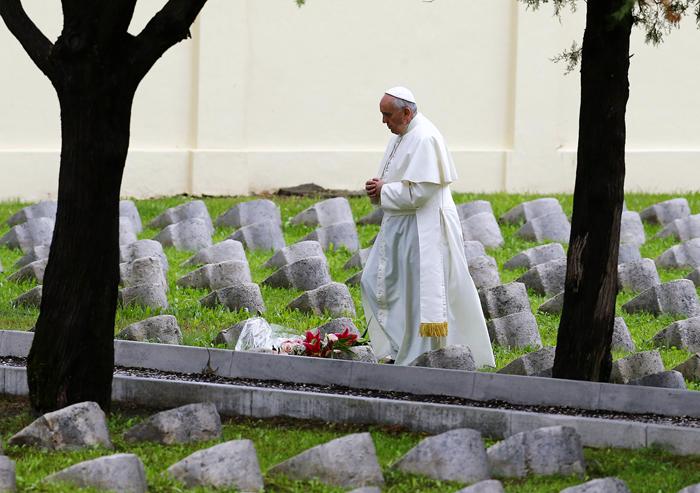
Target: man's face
<point>397,119</point>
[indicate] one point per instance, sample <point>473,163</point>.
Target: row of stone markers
<point>457,455</point>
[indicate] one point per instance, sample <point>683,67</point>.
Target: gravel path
<point>686,421</point>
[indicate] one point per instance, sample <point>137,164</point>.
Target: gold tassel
<point>433,329</point>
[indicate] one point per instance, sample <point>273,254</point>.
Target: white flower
<point>332,337</point>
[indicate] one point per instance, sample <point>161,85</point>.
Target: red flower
<point>312,343</point>
<point>348,338</point>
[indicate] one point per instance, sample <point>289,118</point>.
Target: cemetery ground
<point>647,470</point>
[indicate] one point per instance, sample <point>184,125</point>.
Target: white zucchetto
<point>401,93</point>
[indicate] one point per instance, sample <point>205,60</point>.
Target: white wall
<point>267,95</point>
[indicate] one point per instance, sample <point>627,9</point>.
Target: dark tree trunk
<point>585,330</point>
<point>72,358</point>
<point>95,66</point>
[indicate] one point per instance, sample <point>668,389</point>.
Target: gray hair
<point>402,103</point>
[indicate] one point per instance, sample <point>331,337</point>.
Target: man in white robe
<point>417,292</point>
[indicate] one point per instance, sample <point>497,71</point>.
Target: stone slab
<point>250,212</point>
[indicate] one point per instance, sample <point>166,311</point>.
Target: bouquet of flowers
<point>314,344</point>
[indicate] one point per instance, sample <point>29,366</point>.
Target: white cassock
<point>417,292</point>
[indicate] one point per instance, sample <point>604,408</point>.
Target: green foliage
<point>656,17</point>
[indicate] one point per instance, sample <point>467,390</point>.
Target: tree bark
<point>95,67</point>
<point>72,357</point>
<point>585,329</point>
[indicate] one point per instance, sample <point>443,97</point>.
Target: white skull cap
<point>401,93</point>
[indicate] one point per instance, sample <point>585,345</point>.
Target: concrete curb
<point>479,386</point>
<point>256,402</point>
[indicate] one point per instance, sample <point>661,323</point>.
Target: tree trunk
<point>95,66</point>
<point>585,330</point>
<point>72,357</point>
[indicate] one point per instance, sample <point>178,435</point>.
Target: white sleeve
<point>406,195</point>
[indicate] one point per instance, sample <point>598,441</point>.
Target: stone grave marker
<point>374,217</point>
<point>189,234</point>
<point>338,325</point>
<point>690,368</point>
<point>483,227</point>
<point>220,252</point>
<point>683,229</point>
<point>251,212</point>
<point>504,300</point>
<point>536,364</point>
<point>550,227</point>
<point>74,427</point>
<point>31,298</point>
<point>30,272</point>
<point>232,464</point>
<point>196,209</point>
<point>638,276</point>
<point>145,295</point>
<point>665,379</point>
<point>628,253</point>
<point>45,208</point>
<point>622,339</point>
<point>8,475</point>
<point>632,229</point>
<point>517,330</point>
<point>143,248</point>
<point>484,272</point>
<point>119,472</point>
<point>554,450</point>
<point>531,209</point>
<point>244,296</point>
<point>473,208</point>
<point>33,254</point>
<point>325,213</point>
<point>294,252</point>
<point>675,297</point>
<point>33,232</point>
<point>217,276</point>
<point>333,298</point>
<point>336,235</point>
<point>456,455</point>
<point>161,329</point>
<point>473,248</point>
<point>145,270</point>
<point>127,208</point>
<point>127,234</point>
<point>682,334</point>
<point>453,357</point>
<point>487,486</point>
<point>603,485</point>
<point>553,305</point>
<point>354,280</point>
<point>687,254</point>
<point>547,278</point>
<point>535,256</point>
<point>636,366</point>
<point>185,424</point>
<point>358,259</point>
<point>359,465</point>
<point>666,212</point>
<point>263,235</point>
<point>305,274</point>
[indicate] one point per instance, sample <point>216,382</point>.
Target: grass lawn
<point>645,471</point>
<point>200,325</point>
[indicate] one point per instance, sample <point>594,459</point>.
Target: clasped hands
<point>373,189</point>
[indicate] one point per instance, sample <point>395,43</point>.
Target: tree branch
<point>167,28</point>
<point>37,46</point>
